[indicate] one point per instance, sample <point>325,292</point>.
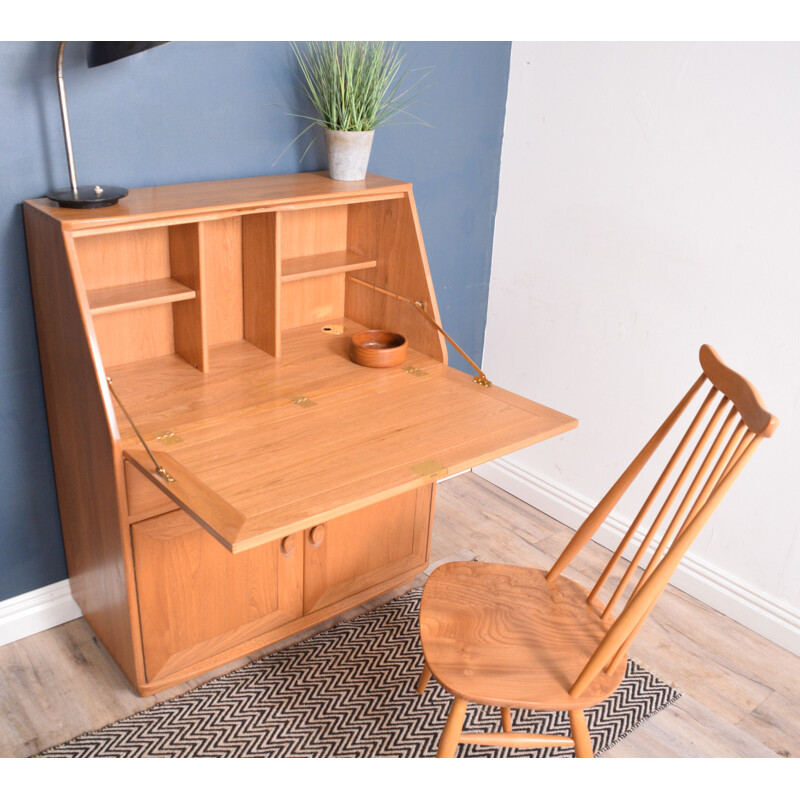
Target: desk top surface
<point>236,194</point>
<point>254,464</point>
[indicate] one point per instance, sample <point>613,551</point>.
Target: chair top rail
<point>739,390</point>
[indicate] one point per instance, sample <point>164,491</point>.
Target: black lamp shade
<point>100,53</point>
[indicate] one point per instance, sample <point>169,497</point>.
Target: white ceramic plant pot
<point>348,154</point>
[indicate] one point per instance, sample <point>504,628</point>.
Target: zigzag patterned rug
<point>346,692</point>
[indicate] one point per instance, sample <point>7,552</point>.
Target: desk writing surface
<point>253,466</point>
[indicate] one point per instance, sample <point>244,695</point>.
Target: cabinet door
<point>196,599</point>
<point>369,547</point>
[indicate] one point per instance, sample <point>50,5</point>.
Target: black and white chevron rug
<point>346,692</point>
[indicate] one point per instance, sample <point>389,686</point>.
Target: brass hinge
<point>303,401</point>
<point>430,469</point>
<point>168,438</point>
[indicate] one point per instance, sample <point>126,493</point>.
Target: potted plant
<point>353,88</point>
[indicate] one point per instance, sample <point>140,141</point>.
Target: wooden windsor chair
<point>516,637</point>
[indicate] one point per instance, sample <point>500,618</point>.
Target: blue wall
<point>194,111</point>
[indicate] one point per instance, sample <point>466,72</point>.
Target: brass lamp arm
<point>62,99</point>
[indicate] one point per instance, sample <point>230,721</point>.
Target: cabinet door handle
<point>316,536</point>
<point>288,544</point>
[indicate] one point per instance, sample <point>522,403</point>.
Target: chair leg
<point>452,729</point>
<point>424,678</point>
<point>580,734</point>
<point>505,714</point>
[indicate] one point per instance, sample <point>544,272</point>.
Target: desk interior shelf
<point>296,269</point>
<point>137,295</point>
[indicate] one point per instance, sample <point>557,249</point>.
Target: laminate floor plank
<point>688,729</point>
<point>741,692</point>
<point>472,513</point>
<point>776,722</point>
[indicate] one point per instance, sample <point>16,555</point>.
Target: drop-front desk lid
<point>261,448</point>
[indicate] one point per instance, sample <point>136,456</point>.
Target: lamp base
<point>88,196</point>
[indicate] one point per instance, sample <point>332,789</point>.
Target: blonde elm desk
<point>302,483</point>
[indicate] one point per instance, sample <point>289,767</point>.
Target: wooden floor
<point>741,692</point>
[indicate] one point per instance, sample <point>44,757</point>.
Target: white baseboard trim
<point>770,617</point>
<point>36,611</point>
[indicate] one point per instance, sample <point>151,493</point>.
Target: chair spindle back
<point>714,448</point>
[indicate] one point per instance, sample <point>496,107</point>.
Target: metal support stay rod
<point>159,469</point>
<point>420,306</point>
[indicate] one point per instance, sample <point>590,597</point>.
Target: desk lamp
<point>90,196</point>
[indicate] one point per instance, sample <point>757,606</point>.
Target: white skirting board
<point>773,619</point>
<point>36,611</point>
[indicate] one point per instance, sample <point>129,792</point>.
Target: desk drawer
<point>352,553</point>
<point>196,599</point>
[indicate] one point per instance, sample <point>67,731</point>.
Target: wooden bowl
<point>378,348</point>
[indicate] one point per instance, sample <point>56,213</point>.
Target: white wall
<point>650,202</point>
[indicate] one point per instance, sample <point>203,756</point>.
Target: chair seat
<point>502,635</point>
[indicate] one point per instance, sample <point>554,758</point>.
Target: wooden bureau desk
<point>300,484</point>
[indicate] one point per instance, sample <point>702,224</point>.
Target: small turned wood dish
<point>378,348</point>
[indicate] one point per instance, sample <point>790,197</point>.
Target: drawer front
<point>352,553</point>
<point>145,499</point>
<point>196,599</point>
